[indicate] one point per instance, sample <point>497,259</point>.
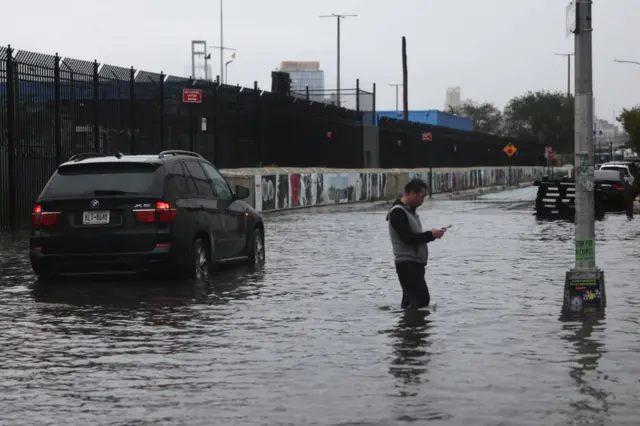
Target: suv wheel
<point>200,258</point>
<point>257,252</point>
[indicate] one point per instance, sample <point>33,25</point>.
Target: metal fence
<point>52,107</point>
<point>414,145</point>
<point>355,99</point>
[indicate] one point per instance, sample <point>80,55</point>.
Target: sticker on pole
<point>586,250</point>
<point>427,137</point>
<point>510,149</point>
<point>192,96</point>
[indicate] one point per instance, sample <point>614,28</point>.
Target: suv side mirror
<point>242,192</point>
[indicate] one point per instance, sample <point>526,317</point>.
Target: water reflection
<point>411,349</point>
<point>162,302</point>
<point>593,407</point>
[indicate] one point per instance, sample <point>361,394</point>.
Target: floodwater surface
<point>317,336</point>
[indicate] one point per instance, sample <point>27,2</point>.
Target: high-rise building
<point>452,98</point>
<point>303,74</point>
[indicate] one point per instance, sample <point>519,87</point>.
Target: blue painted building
<point>432,117</point>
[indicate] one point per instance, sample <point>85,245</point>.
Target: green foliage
<point>486,117</point>
<point>546,117</point>
<point>630,120</point>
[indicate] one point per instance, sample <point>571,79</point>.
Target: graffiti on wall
<point>285,191</point>
<point>457,180</point>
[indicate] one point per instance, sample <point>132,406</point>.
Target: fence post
<point>257,123</point>
<point>132,115</point>
<point>57,110</point>
<point>191,124</point>
<point>307,91</point>
<point>358,94</point>
<point>11,135</point>
<point>96,115</point>
<point>215,121</point>
<point>161,109</point>
<point>374,104</point>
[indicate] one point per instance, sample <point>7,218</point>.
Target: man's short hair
<point>416,185</point>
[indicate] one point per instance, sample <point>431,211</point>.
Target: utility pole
<point>396,85</point>
<point>405,97</point>
<point>568,55</point>
<point>221,44</point>
<point>338,17</point>
<point>584,284</point>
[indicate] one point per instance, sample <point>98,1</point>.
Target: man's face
<point>417,198</point>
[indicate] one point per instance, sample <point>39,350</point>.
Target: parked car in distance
<point>616,191</point>
<point>172,212</point>
<point>629,168</point>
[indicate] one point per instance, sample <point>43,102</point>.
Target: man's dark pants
<point>415,293</point>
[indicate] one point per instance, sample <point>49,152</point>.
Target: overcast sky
<point>492,49</point>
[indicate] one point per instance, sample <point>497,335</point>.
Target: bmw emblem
<point>94,204</point>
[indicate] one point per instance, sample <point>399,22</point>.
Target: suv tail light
<point>163,213</point>
<point>43,219</point>
<point>618,186</point>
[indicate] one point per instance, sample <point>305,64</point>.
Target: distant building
<point>303,74</point>
<point>432,117</point>
<point>452,98</point>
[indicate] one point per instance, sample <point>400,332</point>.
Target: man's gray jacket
<point>408,240</point>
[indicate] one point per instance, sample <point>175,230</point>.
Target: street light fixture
<point>338,17</point>
<point>626,62</point>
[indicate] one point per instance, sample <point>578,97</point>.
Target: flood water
<point>317,337</point>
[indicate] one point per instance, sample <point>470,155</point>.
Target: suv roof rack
<point>175,152</point>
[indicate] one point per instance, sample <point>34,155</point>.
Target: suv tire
<point>200,260</point>
<point>257,251</point>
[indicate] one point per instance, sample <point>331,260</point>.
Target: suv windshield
<point>101,179</point>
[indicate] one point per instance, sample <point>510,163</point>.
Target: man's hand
<point>438,233</point>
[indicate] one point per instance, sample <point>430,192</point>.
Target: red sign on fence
<point>192,96</point>
<point>427,137</point>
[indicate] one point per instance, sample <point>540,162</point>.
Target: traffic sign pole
<point>584,284</point>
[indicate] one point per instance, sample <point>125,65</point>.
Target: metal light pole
<point>338,17</point>
<point>568,55</point>
<point>397,85</point>
<point>584,284</point>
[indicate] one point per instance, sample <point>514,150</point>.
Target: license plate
<point>95,218</point>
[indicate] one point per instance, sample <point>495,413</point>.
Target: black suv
<point>172,212</point>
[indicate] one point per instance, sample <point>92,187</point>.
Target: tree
<point>546,117</point>
<point>630,120</point>
<point>485,116</point>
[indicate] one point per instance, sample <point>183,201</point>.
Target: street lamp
<point>223,77</point>
<point>338,17</point>
<point>397,86</point>
<point>226,64</point>
<point>568,55</point>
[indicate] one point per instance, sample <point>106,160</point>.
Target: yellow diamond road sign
<point>510,149</point>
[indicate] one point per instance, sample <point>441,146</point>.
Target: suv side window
<point>219,182</point>
<point>200,178</point>
<point>176,183</point>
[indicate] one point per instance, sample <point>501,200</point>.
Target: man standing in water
<point>409,244</point>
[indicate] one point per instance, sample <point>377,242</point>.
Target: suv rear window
<point>102,179</point>
<point>622,168</point>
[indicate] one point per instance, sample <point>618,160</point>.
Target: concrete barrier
<point>286,188</point>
